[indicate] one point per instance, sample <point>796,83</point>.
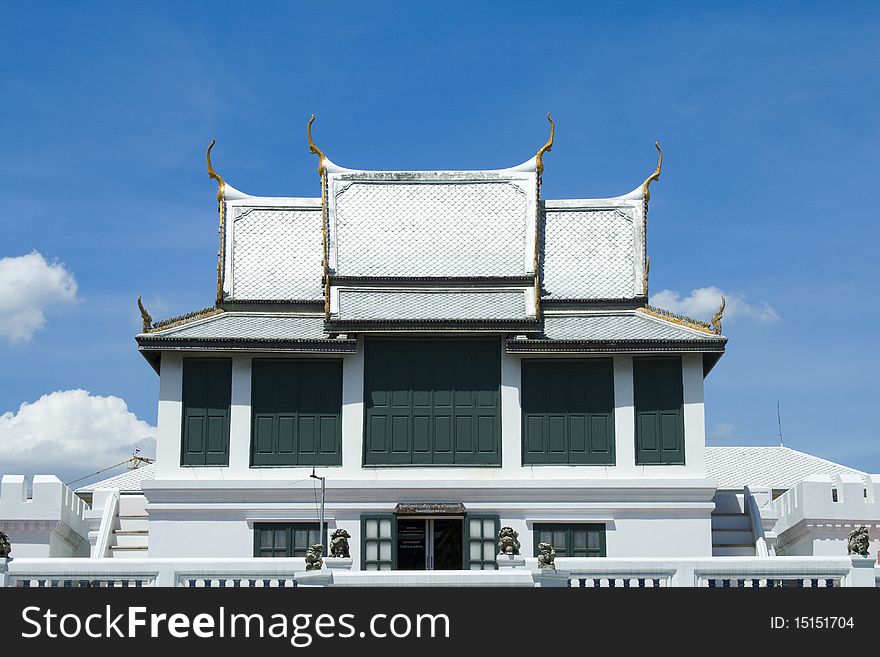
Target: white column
<point>511,414</point>
<point>624,415</point>
<point>353,410</point>
<point>694,419</point>
<point>170,416</point>
<point>240,416</point>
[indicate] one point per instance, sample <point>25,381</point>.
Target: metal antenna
<point>779,423</point>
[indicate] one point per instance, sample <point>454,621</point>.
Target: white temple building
<point>453,354</point>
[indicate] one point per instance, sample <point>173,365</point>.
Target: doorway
<point>430,543</point>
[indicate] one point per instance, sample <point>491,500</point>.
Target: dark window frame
<point>277,459</point>
<point>372,459</point>
<point>378,517</point>
<point>591,371</point>
<point>677,455</point>
<point>204,457</point>
<point>290,528</point>
<point>468,563</point>
<point>569,528</point>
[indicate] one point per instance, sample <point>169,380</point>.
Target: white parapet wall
<point>817,515</point>
<point>48,523</point>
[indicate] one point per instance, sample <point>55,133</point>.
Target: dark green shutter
<point>568,411</point>
<point>379,541</point>
<point>284,539</point>
<point>432,402</point>
<point>481,541</point>
<point>571,540</point>
<point>659,397</point>
<point>296,408</point>
<point>207,390</point>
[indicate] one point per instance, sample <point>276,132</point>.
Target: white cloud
<point>29,287</point>
<point>71,433</point>
<point>722,431</point>
<point>703,302</point>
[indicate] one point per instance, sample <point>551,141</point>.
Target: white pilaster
<point>511,415</point>
<point>240,416</point>
<point>353,410</point>
<point>694,417</point>
<point>624,415</point>
<point>169,416</point>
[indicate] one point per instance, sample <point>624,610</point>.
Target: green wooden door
<point>481,541</point>
<point>432,402</point>
<point>296,408</point>
<point>659,399</point>
<point>207,390</point>
<point>568,411</point>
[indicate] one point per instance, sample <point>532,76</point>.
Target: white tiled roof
<point>776,467</point>
<point>250,326</point>
<point>629,325</point>
<point>591,253</point>
<point>732,467</point>
<point>443,229</point>
<point>127,482</point>
<point>420,304</point>
<point>276,254</point>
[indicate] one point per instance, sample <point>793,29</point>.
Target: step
<point>136,539</point>
<point>731,521</point>
<point>728,503</point>
<point>732,537</point>
<point>134,523</point>
<point>132,505</point>
<point>733,551</point>
<point>117,552</point>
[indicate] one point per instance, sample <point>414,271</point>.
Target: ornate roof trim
<point>681,320</point>
<point>186,318</point>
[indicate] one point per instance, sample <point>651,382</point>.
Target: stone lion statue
<point>858,541</point>
<point>313,557</point>
<point>546,556</point>
<point>508,541</point>
<point>339,543</point>
<point>5,546</point>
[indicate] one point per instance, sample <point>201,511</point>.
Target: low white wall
<point>47,524</point>
<point>811,522</point>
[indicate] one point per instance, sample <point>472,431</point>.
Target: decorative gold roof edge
<point>212,173</point>
<point>681,320</point>
<point>145,316</point>
<point>539,158</point>
<point>646,186</point>
<point>314,149</point>
<point>715,322</point>
<point>174,322</point>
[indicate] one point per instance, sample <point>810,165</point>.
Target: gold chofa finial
<point>314,149</point>
<point>654,176</point>
<point>715,322</point>
<point>546,147</point>
<point>148,320</point>
<point>221,184</point>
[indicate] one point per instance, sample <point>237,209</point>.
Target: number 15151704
<point>812,623</point>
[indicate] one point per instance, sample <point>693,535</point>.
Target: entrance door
<point>430,544</point>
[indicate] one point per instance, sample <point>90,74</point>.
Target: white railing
<point>754,514</point>
<point>719,572</point>
<point>105,531</point>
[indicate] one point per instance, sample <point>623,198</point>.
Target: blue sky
<point>767,115</point>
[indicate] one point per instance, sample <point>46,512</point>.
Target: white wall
<point>49,523</point>
<point>812,523</point>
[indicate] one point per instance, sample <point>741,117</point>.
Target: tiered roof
<point>384,251</point>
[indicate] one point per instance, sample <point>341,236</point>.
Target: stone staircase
<point>732,534</point>
<point>131,536</point>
